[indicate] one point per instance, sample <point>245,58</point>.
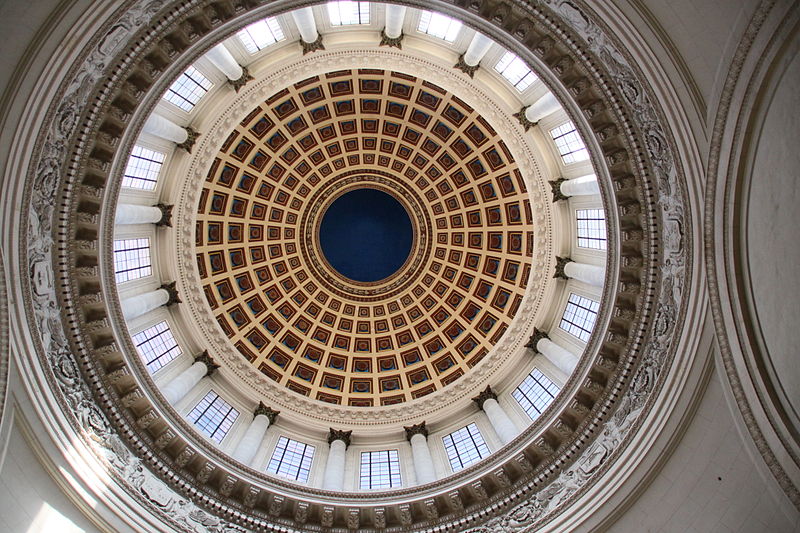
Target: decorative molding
<point>486,394</point>
<point>555,189</point>
<point>188,144</point>
<point>470,70</point>
<point>561,263</point>
<point>391,41</point>
<point>340,434</point>
<point>416,429</point>
<point>166,215</point>
<point>312,46</point>
<point>205,358</point>
<point>523,120</point>
<point>535,338</point>
<point>172,290</point>
<point>242,81</point>
<point>262,409</point>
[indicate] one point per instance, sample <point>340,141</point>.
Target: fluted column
<point>581,186</point>
<point>136,306</point>
<point>164,128</point>
<point>160,215</point>
<point>180,386</point>
<point>310,39</point>
<point>469,60</point>
<point>248,446</point>
<point>333,478</point>
<point>593,275</point>
<point>417,435</point>
<point>502,424</point>
<point>221,58</point>
<point>562,358</point>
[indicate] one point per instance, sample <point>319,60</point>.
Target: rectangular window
<point>348,13</point>
<point>291,459</point>
<point>156,346</point>
<point>591,228</point>
<point>464,447</point>
<point>439,26</point>
<point>261,34</point>
<point>188,89</point>
<point>143,168</point>
<point>569,143</point>
<point>579,316</point>
<point>131,259</point>
<point>535,393</point>
<point>515,71</point>
<point>380,470</point>
<point>213,416</point>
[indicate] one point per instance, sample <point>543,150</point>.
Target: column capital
<point>242,81</point>
<point>464,67</point>
<point>556,186</point>
<point>520,115</point>
<point>262,409</point>
<point>486,394</point>
<point>166,215</point>
<point>192,136</point>
<point>535,338</point>
<point>562,262</point>
<point>391,41</point>
<point>172,290</point>
<point>312,46</point>
<point>416,429</point>
<point>339,434</point>
<point>206,359</point>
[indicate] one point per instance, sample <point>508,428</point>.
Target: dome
<point>362,266</point>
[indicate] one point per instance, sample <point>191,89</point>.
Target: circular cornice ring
<point>621,380</point>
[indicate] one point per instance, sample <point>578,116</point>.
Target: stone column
<point>179,387</point>
<point>392,34</point>
<point>160,214</point>
<point>581,186</point>
<point>310,39</point>
<point>417,435</point>
<point>502,424</point>
<point>334,467</point>
<point>221,58</point>
<point>136,306</point>
<point>469,60</point>
<point>562,358</point>
<point>530,115</point>
<point>248,446</point>
<point>164,128</point>
<point>593,275</point>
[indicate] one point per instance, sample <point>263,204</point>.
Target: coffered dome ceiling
<point>299,321</point>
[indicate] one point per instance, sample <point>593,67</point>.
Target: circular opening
<point>366,235</point>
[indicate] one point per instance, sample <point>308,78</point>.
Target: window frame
<point>512,60</point>
<point>225,419</point>
<point>476,447</point>
<point>542,388</point>
<point>269,22</point>
<point>423,13</point>
<point>131,258</point>
<point>188,101</point>
<point>359,13</point>
<point>304,465</point>
<point>169,351</point>
<point>392,467</point>
<point>584,232</point>
<point>568,143</point>
<point>581,312</point>
<point>150,177</point>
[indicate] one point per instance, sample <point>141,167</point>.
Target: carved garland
<point>641,326</point>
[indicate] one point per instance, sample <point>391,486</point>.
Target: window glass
<point>188,89</point>
<point>143,168</point>
<point>591,228</point>
<point>579,316</point>
<point>347,13</point>
<point>156,346</point>
<point>261,34</point>
<point>515,71</point>
<point>380,470</point>
<point>439,26</point>
<point>291,459</point>
<point>569,143</point>
<point>131,259</point>
<point>464,447</point>
<point>535,393</point>
<point>213,416</point>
